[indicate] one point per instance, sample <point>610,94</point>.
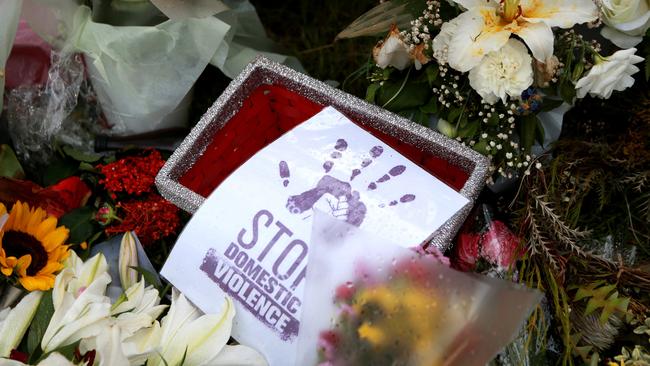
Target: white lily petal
<point>478,32</point>
<point>56,359</point>
<point>80,317</point>
<point>239,356</point>
<point>108,345</point>
<point>207,335</point>
<point>539,38</point>
<point>180,313</point>
<point>142,344</point>
<point>559,13</point>
<point>128,258</point>
<point>14,322</point>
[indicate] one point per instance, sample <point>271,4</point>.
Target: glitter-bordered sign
<point>250,239</point>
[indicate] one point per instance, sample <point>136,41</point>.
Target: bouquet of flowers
<point>486,72</point>
<point>396,306</point>
<point>69,318</point>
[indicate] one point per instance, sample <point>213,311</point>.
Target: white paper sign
<point>250,239</point>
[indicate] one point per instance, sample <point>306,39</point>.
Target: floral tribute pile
<point>57,304</point>
<point>550,90</point>
<point>485,71</point>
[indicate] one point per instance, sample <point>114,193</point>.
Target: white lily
<point>81,309</point>
<point>138,308</point>
<point>487,25</point>
<point>128,259</point>
<point>14,322</point>
<point>54,359</point>
<point>201,339</point>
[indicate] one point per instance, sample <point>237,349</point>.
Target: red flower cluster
<point>152,219</point>
<point>133,174</point>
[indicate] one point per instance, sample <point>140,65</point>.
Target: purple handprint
<point>342,201</point>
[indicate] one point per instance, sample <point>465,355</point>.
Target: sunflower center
<point>16,244</point>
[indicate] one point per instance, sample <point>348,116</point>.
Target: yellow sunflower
<point>32,246</point>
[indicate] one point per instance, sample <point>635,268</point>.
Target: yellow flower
<point>32,246</point>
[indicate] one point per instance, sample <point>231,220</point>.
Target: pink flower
<point>500,246</point>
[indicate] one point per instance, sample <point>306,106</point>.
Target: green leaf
<point>371,92</point>
<point>453,115</point>
<point>39,325</point>
<point>528,126</point>
<point>469,130</point>
<point>567,92</point>
<point>66,351</point>
<point>87,167</point>
<point>550,104</point>
<point>419,117</point>
<point>81,156</point>
<point>149,278</point>
<point>431,107</point>
<point>432,73</point>
<point>481,147</point>
<point>80,223</point>
<point>59,169</point>
<point>9,165</point>
<point>397,98</point>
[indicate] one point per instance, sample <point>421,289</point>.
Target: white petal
<point>180,313</point>
<point>559,13</point>
<point>207,335</point>
<point>109,347</point>
<point>16,321</point>
<point>143,344</point>
<point>620,39</point>
<point>539,38</point>
<point>80,317</point>
<point>475,36</point>
<point>56,359</point>
<point>239,356</point>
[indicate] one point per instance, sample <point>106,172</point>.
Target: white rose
<point>627,21</point>
<point>609,74</point>
<point>392,51</point>
<point>503,73</point>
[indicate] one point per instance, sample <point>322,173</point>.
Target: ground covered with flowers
<point>565,212</point>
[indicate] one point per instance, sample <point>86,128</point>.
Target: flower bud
<point>105,214</point>
<point>128,259</point>
<point>447,128</point>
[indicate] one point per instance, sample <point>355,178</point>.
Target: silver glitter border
<point>264,71</point>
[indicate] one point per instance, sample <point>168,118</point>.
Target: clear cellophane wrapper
<point>372,302</point>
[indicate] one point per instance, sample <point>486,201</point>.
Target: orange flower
<point>32,246</point>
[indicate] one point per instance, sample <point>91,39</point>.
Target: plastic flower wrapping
<point>372,302</point>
